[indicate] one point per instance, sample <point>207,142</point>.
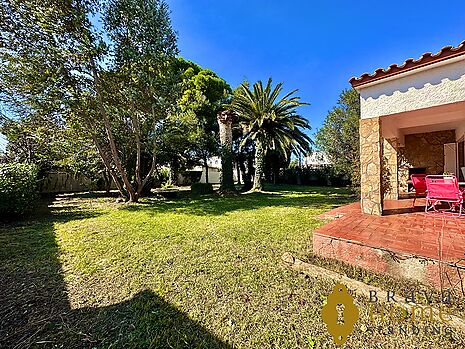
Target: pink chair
<point>419,184</point>
<point>443,189</point>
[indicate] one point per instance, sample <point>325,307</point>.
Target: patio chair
<point>443,190</point>
<point>419,184</point>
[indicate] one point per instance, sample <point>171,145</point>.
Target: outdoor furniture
<point>443,190</point>
<point>419,184</point>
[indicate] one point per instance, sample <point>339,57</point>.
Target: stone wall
<point>370,166</point>
<point>389,171</point>
<point>423,150</point>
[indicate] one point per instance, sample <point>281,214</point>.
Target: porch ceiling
<point>439,118</point>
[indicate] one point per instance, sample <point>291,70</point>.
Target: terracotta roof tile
<point>446,52</point>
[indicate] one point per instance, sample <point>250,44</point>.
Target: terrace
<point>412,121</point>
<point>403,242</point>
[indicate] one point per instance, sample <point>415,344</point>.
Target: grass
<point>199,272</point>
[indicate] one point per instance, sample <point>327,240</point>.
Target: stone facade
<point>390,184</point>
<point>370,160</point>
<point>423,150</point>
<point>385,169</point>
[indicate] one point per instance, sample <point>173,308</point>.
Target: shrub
<point>18,189</point>
<point>322,176</point>
<point>201,188</point>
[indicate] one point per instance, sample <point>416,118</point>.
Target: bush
<point>323,176</point>
<point>18,189</point>
<point>201,188</point>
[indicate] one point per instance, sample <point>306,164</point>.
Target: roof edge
<point>427,58</point>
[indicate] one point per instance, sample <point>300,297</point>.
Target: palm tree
<point>225,120</point>
<point>271,123</point>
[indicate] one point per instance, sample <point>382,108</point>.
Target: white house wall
<point>442,84</point>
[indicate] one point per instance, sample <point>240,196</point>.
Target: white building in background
<point>214,170</point>
<point>316,159</point>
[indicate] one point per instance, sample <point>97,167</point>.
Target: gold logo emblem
<point>338,327</point>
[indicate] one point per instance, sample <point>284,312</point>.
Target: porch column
<point>371,166</point>
<point>390,182</point>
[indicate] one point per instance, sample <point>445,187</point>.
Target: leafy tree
<point>39,140</point>
<point>271,123</point>
<point>204,94</point>
<point>143,46</point>
<point>54,61</point>
<point>189,135</point>
<point>32,139</point>
<point>339,136</point>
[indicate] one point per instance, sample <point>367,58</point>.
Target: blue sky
<point>313,46</point>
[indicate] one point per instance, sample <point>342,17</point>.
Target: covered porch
<point>412,122</point>
<point>425,141</point>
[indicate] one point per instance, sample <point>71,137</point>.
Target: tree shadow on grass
<point>313,198</point>
<point>35,311</point>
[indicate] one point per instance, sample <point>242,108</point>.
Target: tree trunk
<point>205,164</point>
<point>107,180</point>
<point>238,172</point>
<point>133,197</point>
<point>248,173</point>
<point>259,166</point>
<point>106,162</point>
<point>246,178</point>
<point>174,172</point>
<point>148,177</point>
<point>225,120</point>
<point>138,154</point>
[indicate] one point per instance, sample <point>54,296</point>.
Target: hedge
<point>18,189</point>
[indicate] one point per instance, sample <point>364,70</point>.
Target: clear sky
<point>313,46</point>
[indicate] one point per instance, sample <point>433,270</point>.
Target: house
<point>214,171</point>
<point>316,159</point>
<point>412,121</point>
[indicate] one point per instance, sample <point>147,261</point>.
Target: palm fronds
<point>273,121</point>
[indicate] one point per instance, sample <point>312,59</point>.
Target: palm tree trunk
<point>225,120</point>
<point>259,166</point>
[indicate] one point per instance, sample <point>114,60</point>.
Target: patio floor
<point>400,241</point>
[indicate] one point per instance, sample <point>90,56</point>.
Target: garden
<point>113,232</point>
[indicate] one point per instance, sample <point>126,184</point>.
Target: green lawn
<point>185,273</point>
